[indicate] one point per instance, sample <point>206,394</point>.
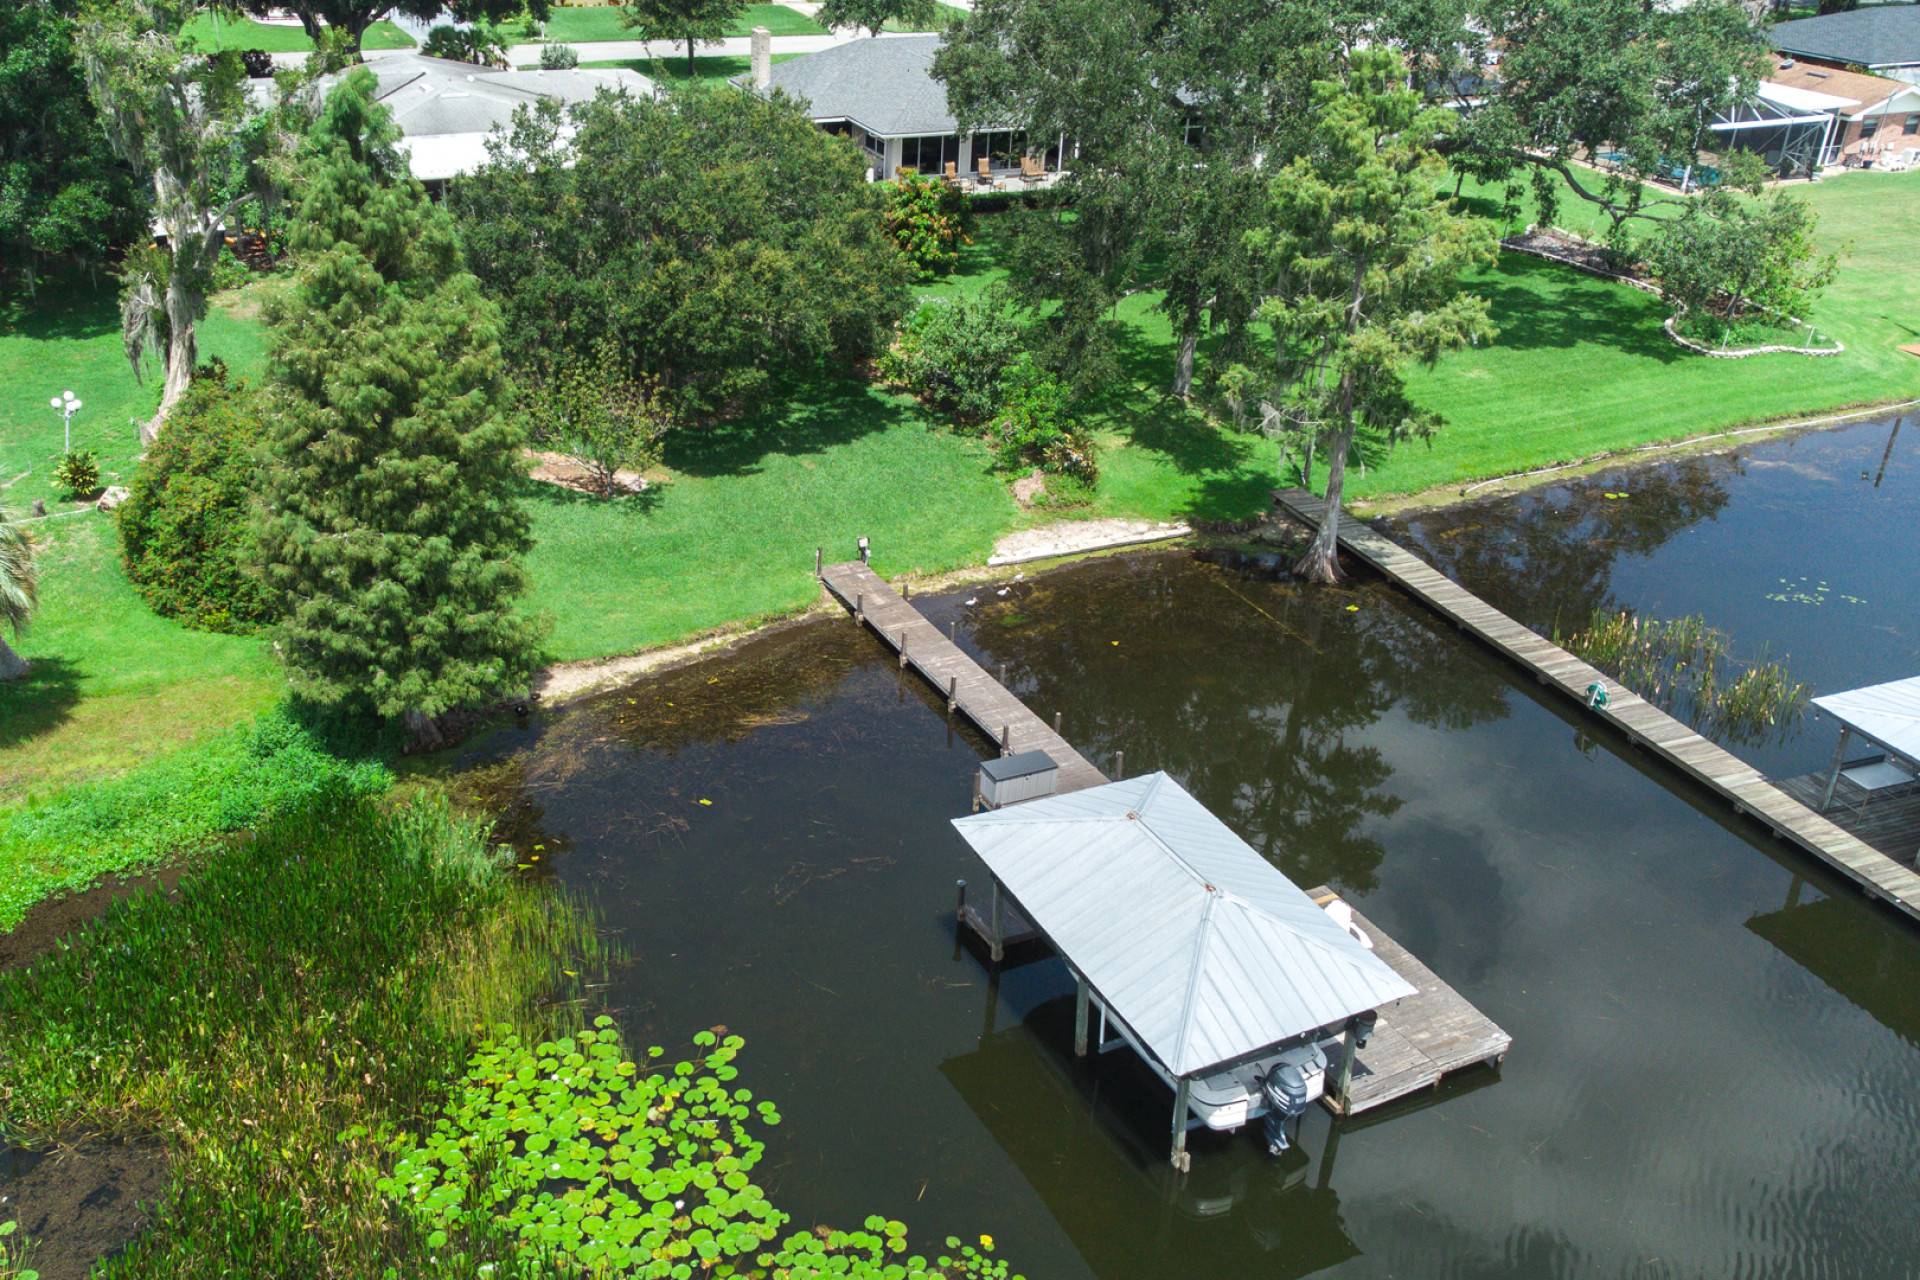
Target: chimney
<point>762,57</point>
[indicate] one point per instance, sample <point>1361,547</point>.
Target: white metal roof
<point>1797,99</point>
<point>1198,943</point>
<point>1887,713</point>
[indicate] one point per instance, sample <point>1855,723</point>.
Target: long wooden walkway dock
<point>966,686</point>
<point>1418,1039</point>
<point>1643,723</point>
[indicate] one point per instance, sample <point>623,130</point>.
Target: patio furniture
<point>986,172</point>
<point>1032,168</point>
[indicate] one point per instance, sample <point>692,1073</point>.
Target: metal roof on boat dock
<point>1195,941</point>
<point>1888,714</point>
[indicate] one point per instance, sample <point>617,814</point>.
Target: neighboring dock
<point>1739,783</point>
<point>1418,1039</point>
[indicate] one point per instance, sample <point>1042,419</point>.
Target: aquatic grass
<point>16,1252</point>
<point>174,806</point>
<point>1688,669</point>
<point>311,990</point>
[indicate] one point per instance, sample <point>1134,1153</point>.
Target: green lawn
<point>709,70</point>
<point>1580,366</point>
<point>230,32</point>
<point>112,684</point>
<point>583,25</point>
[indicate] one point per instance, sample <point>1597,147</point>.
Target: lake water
<point>1716,1061</point>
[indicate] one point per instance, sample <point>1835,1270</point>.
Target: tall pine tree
<point>389,533</point>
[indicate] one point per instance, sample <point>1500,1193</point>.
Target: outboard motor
<point>1297,1078</point>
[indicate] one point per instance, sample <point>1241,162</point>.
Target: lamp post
<point>68,406</point>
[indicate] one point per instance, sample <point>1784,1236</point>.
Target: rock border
<point>1741,353</point>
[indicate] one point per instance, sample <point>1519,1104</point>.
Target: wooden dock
<point>1890,823</point>
<point>956,677</point>
<point>1420,1038</point>
<point>1644,724</point>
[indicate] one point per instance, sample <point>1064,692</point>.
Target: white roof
<point>1796,99</point>
<point>1194,940</point>
<point>1888,713</point>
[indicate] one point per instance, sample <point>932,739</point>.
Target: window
<point>1869,127</point>
<point>1002,147</point>
<point>1196,133</point>
<point>1912,126</point>
<point>931,153</point>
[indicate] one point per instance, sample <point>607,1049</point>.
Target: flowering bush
<point>930,221</point>
<point>1035,426</point>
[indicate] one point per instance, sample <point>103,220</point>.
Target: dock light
<point>65,404</point>
<point>865,548</point>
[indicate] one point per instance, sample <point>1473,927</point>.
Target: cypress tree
<point>388,530</point>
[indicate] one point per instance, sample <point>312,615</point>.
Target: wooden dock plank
<point>1784,807</point>
<point>1418,1039</point>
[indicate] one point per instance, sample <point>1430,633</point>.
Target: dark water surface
<point>1716,1066</point>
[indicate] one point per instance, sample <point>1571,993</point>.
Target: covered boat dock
<point>1874,795</point>
<point>1189,945</point>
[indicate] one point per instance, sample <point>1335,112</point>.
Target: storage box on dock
<point>1006,780</point>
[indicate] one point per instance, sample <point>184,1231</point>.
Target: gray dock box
<point>1007,780</point>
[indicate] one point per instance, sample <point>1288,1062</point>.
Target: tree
<point>597,413</point>
<point>1636,82</point>
<point>1169,110</point>
<point>682,20</point>
<point>63,193</point>
<point>718,241</point>
<point>348,20</point>
<point>19,592</point>
<point>874,15</point>
<point>388,534</point>
<point>1731,258</point>
<point>1362,261</point>
<point>930,221</point>
<point>173,115</point>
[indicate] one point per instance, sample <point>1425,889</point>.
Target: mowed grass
<point>112,683</point>
<point>709,70</point>
<point>584,25</point>
<point>215,33</point>
<point>730,535</point>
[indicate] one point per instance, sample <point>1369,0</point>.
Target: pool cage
<point>1793,130</point>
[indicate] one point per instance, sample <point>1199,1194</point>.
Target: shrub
<point>953,355</point>
<point>185,528</point>
<point>597,413</point>
<point>480,43</point>
<point>1035,427</point>
<point>930,221</point>
<point>1729,260</point>
<point>558,57</point>
<point>78,473</point>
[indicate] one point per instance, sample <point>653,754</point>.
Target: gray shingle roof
<point>1200,946</point>
<point>1886,35</point>
<point>434,96</point>
<point>882,83</point>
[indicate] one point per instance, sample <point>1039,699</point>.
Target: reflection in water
<point>1877,970</point>
<point>767,837</point>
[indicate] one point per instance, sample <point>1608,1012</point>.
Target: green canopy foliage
<point>717,241</point>
<point>390,540</point>
<point>682,21</point>
<point>874,15</point>
<point>186,530</point>
<point>63,192</point>
<point>19,591</point>
<point>339,25</point>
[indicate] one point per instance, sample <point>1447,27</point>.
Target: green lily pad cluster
<point>598,1167</point>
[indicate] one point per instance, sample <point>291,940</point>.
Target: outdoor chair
<point>986,173</point>
<point>1032,168</point>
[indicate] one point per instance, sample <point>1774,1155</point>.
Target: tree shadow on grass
<point>1538,304</point>
<point>61,310</point>
<point>39,701</point>
<point>558,497</point>
<point>800,417</point>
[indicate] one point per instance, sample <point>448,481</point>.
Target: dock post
<point>1056,722</point>
<point>1181,1160</point>
<point>819,554</point>
<point>995,949</point>
<point>1839,759</point>
<point>903,649</point>
<point>1348,1052</point>
<point>1006,741</point>
<point>953,631</point>
<point>960,899</point>
<point>1080,1015</point>
<point>1119,765</point>
<point>1003,675</point>
<point>906,589</point>
<point>859,606</point>
<point>953,693</point>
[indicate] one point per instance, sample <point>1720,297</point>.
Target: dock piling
<point>1006,741</point>
<point>959,899</point>
<point>819,558</point>
<point>903,650</point>
<point>859,607</point>
<point>953,693</point>
<point>1056,722</point>
<point>1119,764</point>
<point>1080,1015</point>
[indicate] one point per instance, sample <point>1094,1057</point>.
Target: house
<point>446,110</point>
<point>1883,39</point>
<point>1875,119</point>
<point>880,92</point>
